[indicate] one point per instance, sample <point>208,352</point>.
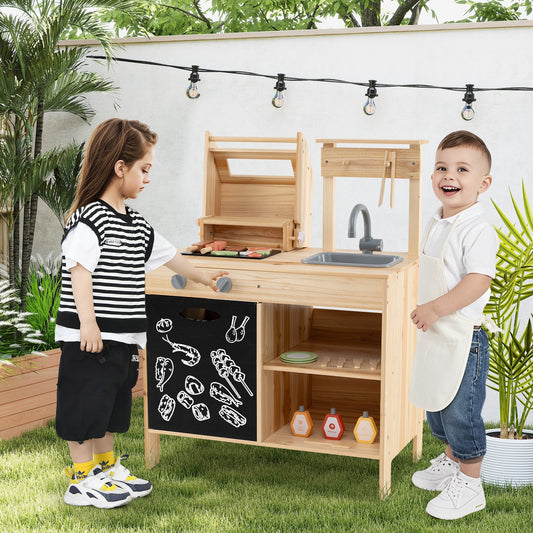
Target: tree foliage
<point>183,17</point>
<point>38,76</point>
<point>175,17</point>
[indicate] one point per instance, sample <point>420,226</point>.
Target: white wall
<point>487,55</point>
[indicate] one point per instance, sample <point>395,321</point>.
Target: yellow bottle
<point>301,423</point>
<point>365,429</point>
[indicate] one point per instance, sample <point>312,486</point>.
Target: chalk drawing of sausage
<point>193,385</point>
<point>185,399</point>
<point>164,368</point>
<point>201,412</point>
<point>166,407</point>
<point>222,394</point>
<point>191,355</point>
<point>231,416</point>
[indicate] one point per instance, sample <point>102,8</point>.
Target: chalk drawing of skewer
<point>226,368</point>
<point>191,355</point>
<point>164,368</point>
<point>236,334</point>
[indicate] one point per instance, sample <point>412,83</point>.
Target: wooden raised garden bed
<point>28,393</point>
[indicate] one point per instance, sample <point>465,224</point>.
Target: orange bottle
<point>365,429</point>
<point>301,423</point>
<point>333,426</point>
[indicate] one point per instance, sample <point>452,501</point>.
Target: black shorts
<point>94,390</point>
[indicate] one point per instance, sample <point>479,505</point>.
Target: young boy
<point>457,265</point>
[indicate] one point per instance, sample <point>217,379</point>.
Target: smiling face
<point>135,177</point>
<point>461,173</point>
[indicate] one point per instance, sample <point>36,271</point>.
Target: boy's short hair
<point>465,138</point>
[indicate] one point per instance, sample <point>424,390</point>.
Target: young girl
<point>107,249</point>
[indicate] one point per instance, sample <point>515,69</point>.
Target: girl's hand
<point>210,279</point>
<point>90,337</point>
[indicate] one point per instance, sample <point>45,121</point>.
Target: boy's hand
<point>424,316</point>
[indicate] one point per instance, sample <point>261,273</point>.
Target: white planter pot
<point>508,462</point>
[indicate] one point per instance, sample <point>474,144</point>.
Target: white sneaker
<point>96,490</point>
<point>463,495</point>
<point>438,475</point>
<point>124,479</point>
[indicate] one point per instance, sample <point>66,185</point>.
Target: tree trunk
<point>415,15</point>
<point>370,16</point>
<point>14,246</point>
<point>30,211</point>
<point>401,12</point>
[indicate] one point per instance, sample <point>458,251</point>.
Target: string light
<point>468,112</point>
<point>194,78</point>
<point>370,107</point>
<point>279,99</point>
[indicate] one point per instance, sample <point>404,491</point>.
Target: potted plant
<point>509,458</point>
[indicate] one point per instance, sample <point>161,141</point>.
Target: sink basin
<point>352,259</point>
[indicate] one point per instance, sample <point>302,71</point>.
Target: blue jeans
<point>460,424</point>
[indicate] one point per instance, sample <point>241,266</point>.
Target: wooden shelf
<point>347,445</point>
<point>257,222</point>
<point>334,359</point>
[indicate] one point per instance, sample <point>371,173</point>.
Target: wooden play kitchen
<point>216,363</point>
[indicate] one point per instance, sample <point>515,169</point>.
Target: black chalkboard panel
<point>201,366</point>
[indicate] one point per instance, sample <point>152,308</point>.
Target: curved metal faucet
<point>367,244</point>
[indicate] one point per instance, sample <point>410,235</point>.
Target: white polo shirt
<point>471,248</point>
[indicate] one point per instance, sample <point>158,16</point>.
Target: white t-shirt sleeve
<point>162,252</point>
<point>81,246</point>
<point>480,249</point>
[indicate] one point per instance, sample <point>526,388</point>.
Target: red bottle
<point>333,426</point>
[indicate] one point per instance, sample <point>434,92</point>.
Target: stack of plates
<point>298,357</point>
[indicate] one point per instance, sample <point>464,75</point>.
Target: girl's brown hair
<point>113,140</point>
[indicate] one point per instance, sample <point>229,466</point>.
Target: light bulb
<point>278,99</point>
<point>370,107</point>
<point>193,91</point>
<point>194,78</point>
<point>468,113</point>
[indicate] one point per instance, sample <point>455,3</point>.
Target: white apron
<point>442,351</point>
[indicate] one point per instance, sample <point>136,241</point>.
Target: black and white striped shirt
<point>125,242</point>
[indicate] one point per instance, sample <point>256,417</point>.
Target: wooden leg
<point>151,439</point>
<point>417,439</point>
<point>151,448</point>
<point>384,478</point>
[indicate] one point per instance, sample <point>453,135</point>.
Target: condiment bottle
<point>301,423</point>
<point>365,429</point>
<point>333,426</point>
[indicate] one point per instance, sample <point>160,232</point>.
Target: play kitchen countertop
<point>283,278</point>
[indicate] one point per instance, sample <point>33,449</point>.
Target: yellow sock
<point>81,470</point>
<point>106,460</point>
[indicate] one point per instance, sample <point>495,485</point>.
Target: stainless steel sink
<point>352,259</point>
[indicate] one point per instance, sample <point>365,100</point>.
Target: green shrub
<point>17,335</point>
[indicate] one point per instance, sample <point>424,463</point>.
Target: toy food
<point>197,246</point>
<point>214,246</point>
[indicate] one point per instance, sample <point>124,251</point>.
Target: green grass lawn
<point>208,486</point>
